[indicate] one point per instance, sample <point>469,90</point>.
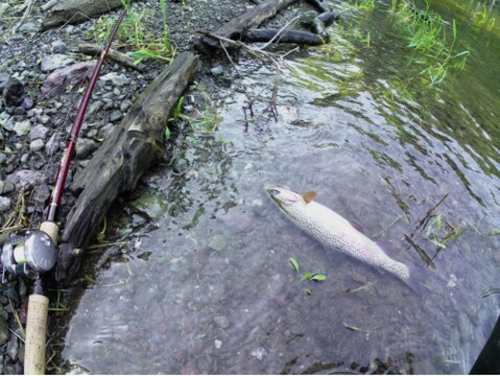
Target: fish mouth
<point>273,191</point>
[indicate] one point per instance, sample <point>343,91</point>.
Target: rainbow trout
<point>336,232</point>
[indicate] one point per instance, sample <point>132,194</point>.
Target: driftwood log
<point>303,38</point>
<point>122,159</point>
<point>76,11</point>
<point>121,58</point>
<point>236,28</point>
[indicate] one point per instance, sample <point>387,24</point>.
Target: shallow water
<point>209,288</point>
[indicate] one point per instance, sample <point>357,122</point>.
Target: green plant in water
<point>205,122</point>
<point>307,276</point>
<point>364,5</point>
<point>439,231</point>
<point>482,18</point>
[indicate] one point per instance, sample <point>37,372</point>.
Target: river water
<point>205,284</point>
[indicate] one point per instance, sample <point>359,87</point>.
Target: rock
<point>236,221</point>
<point>58,80</point>
<point>8,187</point>
<point>56,61</point>
<point>115,116</point>
<point>59,47</point>
<point>8,124</point>
<point>93,109</point>
<point>106,131</point>
<point>218,243</point>
<point>12,347</point>
<point>37,145</point>
<point>38,132</point>
<point>3,157</point>
<point>27,104</point>
<point>19,111</point>
<point>22,128</point>
<point>125,105</point>
<point>4,331</point>
<point>52,145</point>
<point>218,344</point>
<point>259,353</point>
<point>5,204</point>
<point>28,27</point>
<point>4,78</point>
<point>27,178</point>
<point>217,71</point>
<point>222,321</point>
<point>3,314</point>
<point>13,92</point>
<point>115,78</point>
<point>84,147</point>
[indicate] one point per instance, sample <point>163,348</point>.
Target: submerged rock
<point>218,243</point>
<point>222,321</point>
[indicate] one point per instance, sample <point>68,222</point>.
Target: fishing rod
<point>35,253</point>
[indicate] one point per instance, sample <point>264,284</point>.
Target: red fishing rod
<point>36,253</point>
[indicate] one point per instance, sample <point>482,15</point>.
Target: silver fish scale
<point>324,225</point>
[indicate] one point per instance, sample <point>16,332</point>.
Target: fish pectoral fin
<point>309,196</point>
<point>357,226</point>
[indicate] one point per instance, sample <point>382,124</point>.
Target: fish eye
<point>274,192</point>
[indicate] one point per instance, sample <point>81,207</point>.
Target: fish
<point>336,232</point>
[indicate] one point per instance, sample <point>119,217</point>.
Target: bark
<point>76,11</point>
<point>236,28</point>
<point>133,147</point>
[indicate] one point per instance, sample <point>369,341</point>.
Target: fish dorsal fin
<point>309,196</point>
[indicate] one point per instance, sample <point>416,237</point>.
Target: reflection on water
<point>209,289</point>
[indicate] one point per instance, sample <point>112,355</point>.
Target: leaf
<point>167,133</point>
<point>318,277</point>
<point>352,328</point>
<point>295,264</point>
<point>309,292</point>
<point>306,277</point>
<point>454,29</point>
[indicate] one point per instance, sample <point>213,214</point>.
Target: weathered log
<point>320,5</point>
<point>319,24</point>
<point>93,49</point>
<point>76,11</point>
<point>235,29</point>
<point>285,36</point>
<point>122,159</point>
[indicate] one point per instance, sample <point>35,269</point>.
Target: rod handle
<point>51,229</point>
<point>36,334</point>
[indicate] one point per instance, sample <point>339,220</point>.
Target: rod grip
<point>51,229</point>
<point>36,334</point>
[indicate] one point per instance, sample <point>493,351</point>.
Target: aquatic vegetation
<point>206,121</point>
<point>353,328</point>
<point>494,232</point>
<point>364,5</point>
<point>439,231</point>
<point>295,264</point>
<point>427,33</point>
<point>308,276</point>
<point>483,19</point>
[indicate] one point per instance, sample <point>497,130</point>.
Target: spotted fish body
<point>334,231</point>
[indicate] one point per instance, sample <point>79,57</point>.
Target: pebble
<point>27,178</point>
<point>52,145</point>
<point>27,104</point>
<point>218,343</point>
<point>222,321</point>
<point>56,61</point>
<point>4,331</point>
<point>259,353</point>
<point>59,47</point>
<point>12,347</point>
<point>84,147</point>
<point>106,131</point>
<point>13,92</point>
<point>218,243</point>
<point>115,78</point>
<point>115,116</point>
<point>3,157</point>
<point>7,187</point>
<point>37,145</point>
<point>22,128</point>
<point>38,132</point>
<point>5,204</point>
<point>27,27</point>
<point>125,105</point>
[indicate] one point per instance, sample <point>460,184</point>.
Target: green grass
<point>364,5</point>
<point>141,41</point>
<point>482,19</point>
<point>206,121</point>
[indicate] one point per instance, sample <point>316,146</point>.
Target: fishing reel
<point>29,254</point>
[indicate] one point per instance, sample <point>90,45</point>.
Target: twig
<point>230,59</point>
<point>121,58</point>
<point>429,212</point>
<point>18,320</point>
<point>279,33</point>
